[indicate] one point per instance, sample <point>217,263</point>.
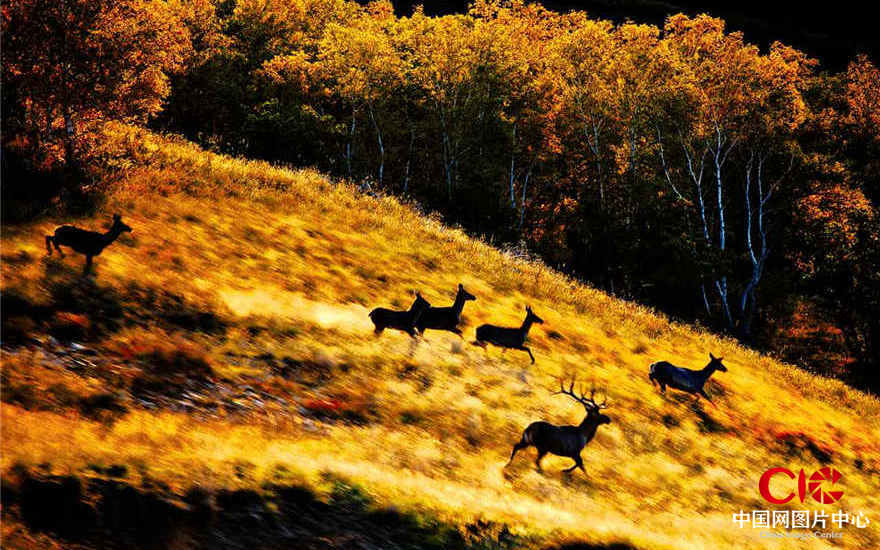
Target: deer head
<point>420,303</point>
<point>465,294</point>
<point>590,406</point>
<point>530,316</point>
<point>715,363</point>
<point>119,225</point>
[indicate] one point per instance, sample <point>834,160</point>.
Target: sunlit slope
<point>276,264</point>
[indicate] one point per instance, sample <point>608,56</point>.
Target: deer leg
<point>49,244</point>
<point>527,350</point>
<point>662,388</point>
<point>57,247</point>
<point>577,464</point>
<point>516,448</point>
<point>538,460</point>
<point>703,393</point>
<point>88,266</point>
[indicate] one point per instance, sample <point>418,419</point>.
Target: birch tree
<point>740,102</point>
<point>363,68</point>
<point>72,62</point>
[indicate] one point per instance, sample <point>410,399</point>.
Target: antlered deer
<point>512,338</point>
<point>90,243</point>
<point>566,441</point>
<point>691,381</point>
<point>446,318</point>
<point>401,320</point>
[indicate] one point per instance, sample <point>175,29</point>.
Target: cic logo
<point>815,485</point>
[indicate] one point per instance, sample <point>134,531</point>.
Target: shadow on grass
<point>99,513</point>
<point>79,308</point>
<point>589,546</point>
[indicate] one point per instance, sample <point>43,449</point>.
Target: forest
<point>680,166</point>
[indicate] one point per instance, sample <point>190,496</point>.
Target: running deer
<point>567,441</point>
<point>446,318</point>
<point>512,338</point>
<point>691,381</point>
<point>90,243</point>
<point>401,320</point>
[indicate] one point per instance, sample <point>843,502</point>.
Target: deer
<point>400,320</point>
<point>90,243</point>
<point>446,318</point>
<point>567,441</point>
<point>692,381</point>
<point>505,338</point>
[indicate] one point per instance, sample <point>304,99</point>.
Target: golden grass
<point>305,259</point>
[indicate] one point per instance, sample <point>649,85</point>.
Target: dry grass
<point>262,260</point>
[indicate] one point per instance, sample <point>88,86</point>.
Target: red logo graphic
<point>813,487</point>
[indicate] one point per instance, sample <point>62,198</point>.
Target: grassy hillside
<point>225,344</point>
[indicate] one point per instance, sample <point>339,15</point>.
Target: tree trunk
<point>447,163</point>
<point>593,144</point>
<point>748,300</point>
<point>349,147</point>
<point>69,140</point>
<point>522,211</point>
<point>512,170</point>
<point>705,300</point>
<point>379,142</point>
<point>719,156</point>
<point>721,285</point>
<point>412,138</point>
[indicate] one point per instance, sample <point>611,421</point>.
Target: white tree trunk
<point>349,146</point>
<point>379,142</point>
<point>412,138</point>
<point>511,192</point>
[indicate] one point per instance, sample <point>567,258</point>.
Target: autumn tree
<point>72,62</point>
<point>522,37</point>
<point>362,67</point>
<point>770,151</point>
<point>656,163</point>
<point>741,107</point>
<point>833,245</point>
<point>862,123</point>
<point>582,62</point>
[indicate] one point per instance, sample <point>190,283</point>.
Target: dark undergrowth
<point>110,511</point>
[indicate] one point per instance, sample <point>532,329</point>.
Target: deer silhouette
<point>90,243</point>
<point>567,441</point>
<point>512,338</point>
<point>446,318</point>
<point>687,380</point>
<point>400,320</point>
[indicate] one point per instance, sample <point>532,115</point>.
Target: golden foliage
<point>290,263</point>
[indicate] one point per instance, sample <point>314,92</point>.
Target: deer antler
<point>588,402</point>
<point>598,406</point>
